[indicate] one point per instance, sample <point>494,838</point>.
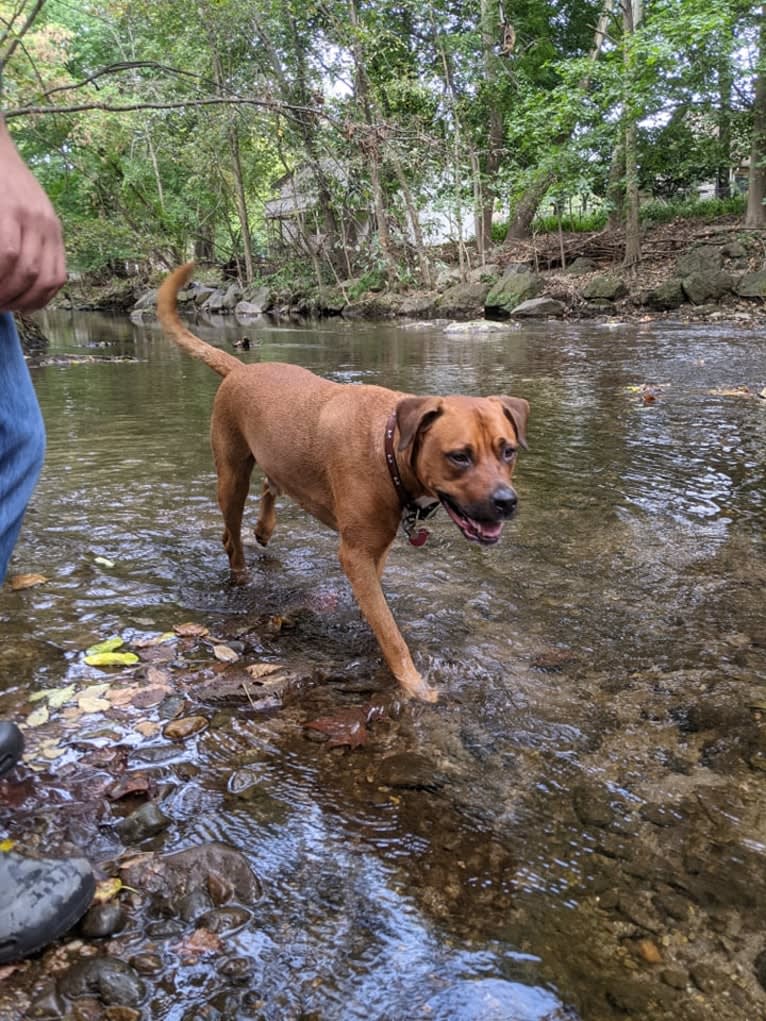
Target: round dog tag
<point>420,537</point>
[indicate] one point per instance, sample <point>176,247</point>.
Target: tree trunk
<point>371,144</point>
<point>723,117</point>
<point>615,187</point>
<point>756,211</point>
<point>241,199</point>
<point>631,21</point>
<point>490,29</point>
<point>523,214</point>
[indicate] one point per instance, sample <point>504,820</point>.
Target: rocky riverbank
<point>710,271</point>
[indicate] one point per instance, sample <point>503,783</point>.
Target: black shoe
<point>40,900</point>
<point>11,746</point>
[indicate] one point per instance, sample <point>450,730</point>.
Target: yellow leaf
<point>36,696</point>
<point>112,659</point>
<point>58,696</point>
<point>22,581</point>
<point>94,690</point>
<point>106,890</point>
<point>7,844</point>
<point>38,717</point>
<point>108,645</point>
<point>51,750</point>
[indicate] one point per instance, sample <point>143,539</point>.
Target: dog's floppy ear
<point>517,410</point>
<point>413,415</point>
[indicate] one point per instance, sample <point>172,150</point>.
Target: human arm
<point>32,258</point>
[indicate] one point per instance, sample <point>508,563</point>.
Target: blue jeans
<point>22,438</point>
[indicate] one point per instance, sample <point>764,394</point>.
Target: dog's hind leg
<point>267,516</point>
<point>233,487</point>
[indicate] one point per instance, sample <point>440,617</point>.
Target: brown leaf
<point>225,654</point>
<point>201,941</point>
<point>348,727</point>
<point>190,630</point>
<point>130,785</point>
<point>148,697</point>
<point>260,670</point>
<point>22,581</point>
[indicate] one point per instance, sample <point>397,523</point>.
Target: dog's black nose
<point>504,500</point>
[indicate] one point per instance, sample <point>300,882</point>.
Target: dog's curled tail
<point>219,361</point>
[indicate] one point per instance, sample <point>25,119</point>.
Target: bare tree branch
<point>5,57</point>
<point>276,106</point>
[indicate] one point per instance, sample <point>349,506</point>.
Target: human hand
<point>32,258</point>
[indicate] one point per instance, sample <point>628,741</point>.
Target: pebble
<point>113,981</point>
<point>185,727</point>
<point>103,920</point>
<point>145,822</point>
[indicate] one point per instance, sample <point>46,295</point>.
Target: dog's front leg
<point>361,568</point>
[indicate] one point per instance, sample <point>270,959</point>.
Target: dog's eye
<point>460,458</point>
<point>508,453</point>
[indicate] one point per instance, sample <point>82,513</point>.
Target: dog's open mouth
<point>485,532</point>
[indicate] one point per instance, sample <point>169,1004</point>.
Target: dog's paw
<point>420,690</point>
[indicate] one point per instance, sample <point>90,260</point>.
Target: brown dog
<point>330,447</point>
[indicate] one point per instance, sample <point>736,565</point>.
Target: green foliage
<point>698,209</point>
<point>436,102</point>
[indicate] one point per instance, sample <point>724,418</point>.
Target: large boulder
<point>606,287</point>
<point>214,301</point>
<point>261,297</point>
<point>511,290</point>
<point>146,301</point>
<point>703,259</point>
<point>231,297</point>
<point>752,285</point>
<point>416,305</point>
<point>666,296</point>
<point>582,264</point>
<point>707,285</point>
<point>544,306</point>
<point>463,300</point>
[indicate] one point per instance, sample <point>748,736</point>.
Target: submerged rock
<point>493,999</point>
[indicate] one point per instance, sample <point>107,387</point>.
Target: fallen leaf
<point>112,659</point>
<point>72,712</point>
<point>147,728</point>
<point>38,717</point>
<point>122,696</point>
<point>106,890</point>
<point>108,645</point>
<point>347,727</point>
<point>58,696</point>
<point>190,630</point>
<point>201,941</point>
<point>148,643</point>
<point>7,845</point>
<point>148,697</point>
<point>95,690</point>
<point>22,581</point>
<point>51,750</point>
<point>103,562</point>
<point>93,705</point>
<point>225,654</point>
<point>260,670</point>
<point>129,785</point>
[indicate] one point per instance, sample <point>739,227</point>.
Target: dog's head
<point>463,450</point>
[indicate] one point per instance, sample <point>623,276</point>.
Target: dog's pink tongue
<point>489,533</point>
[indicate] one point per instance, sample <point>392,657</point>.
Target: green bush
<point>664,212</point>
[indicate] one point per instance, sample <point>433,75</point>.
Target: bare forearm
<point>32,259</point>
